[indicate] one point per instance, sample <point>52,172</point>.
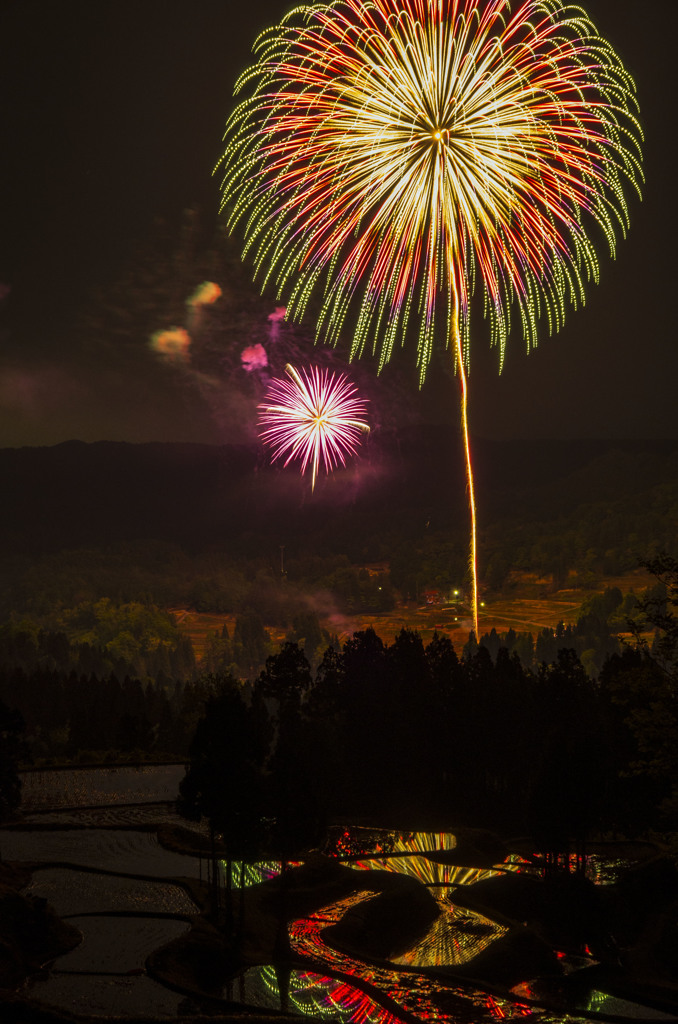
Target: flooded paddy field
<point>105,872</point>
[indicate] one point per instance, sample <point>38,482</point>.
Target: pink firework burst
<point>315,417</point>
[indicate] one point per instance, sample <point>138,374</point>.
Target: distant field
<point>199,626</point>
<point>524,614</point>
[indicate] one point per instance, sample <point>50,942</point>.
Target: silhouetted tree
<point>407,721</point>
<point>628,683</point>
<point>324,710</point>
<point>12,751</point>
<point>306,632</point>
<point>644,686</point>
<point>251,643</point>
<point>225,779</point>
<point>365,742</point>
<point>286,679</point>
<point>296,802</point>
<point>567,783</point>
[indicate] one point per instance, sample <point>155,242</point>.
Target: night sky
<point>112,116</point>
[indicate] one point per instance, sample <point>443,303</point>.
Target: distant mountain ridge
<point>202,496</point>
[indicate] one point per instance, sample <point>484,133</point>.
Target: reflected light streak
<point>390,993</point>
<point>427,871</point>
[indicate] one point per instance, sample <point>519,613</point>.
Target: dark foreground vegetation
<point>372,731</point>
<point>412,732</point>
<point>107,682</point>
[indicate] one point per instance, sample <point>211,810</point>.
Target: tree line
<point>386,732</point>
<point>68,717</point>
<point>594,636</point>
<point>99,638</point>
<point>409,732</point>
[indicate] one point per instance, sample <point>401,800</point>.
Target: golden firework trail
<point>392,154</point>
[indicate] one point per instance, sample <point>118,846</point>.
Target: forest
<point>412,732</point>
<point>408,731</point>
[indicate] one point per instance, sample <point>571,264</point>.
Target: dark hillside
<point>204,497</point>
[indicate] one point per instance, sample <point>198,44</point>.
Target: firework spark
<point>315,416</point>
<point>391,154</point>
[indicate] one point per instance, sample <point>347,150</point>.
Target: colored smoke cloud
<point>174,344</point>
<point>254,357</point>
<point>205,294</point>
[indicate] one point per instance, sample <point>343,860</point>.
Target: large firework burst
<point>393,152</point>
<point>316,417</point>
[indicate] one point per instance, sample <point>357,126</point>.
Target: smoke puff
<point>174,344</point>
<point>205,294</point>
<point>254,357</point>
<point>278,315</point>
